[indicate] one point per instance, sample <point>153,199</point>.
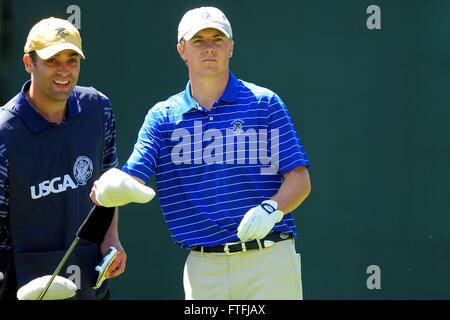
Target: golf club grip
<point>96,224</point>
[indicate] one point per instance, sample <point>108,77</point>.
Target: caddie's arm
<point>112,240</point>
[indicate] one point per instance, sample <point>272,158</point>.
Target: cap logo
<point>206,16</point>
<point>61,32</point>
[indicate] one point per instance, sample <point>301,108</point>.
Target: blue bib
<point>51,174</point>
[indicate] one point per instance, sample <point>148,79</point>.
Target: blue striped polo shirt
<point>213,166</point>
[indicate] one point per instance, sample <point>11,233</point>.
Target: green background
<point>371,108</point>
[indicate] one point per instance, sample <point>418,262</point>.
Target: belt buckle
<point>226,248</point>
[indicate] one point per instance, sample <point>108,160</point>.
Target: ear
<point>231,48</point>
<point>181,51</point>
<point>28,63</point>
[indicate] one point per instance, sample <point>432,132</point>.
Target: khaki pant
<point>268,274</point>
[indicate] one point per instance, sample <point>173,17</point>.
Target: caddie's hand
<point>116,188</point>
<point>259,221</point>
<point>118,265</point>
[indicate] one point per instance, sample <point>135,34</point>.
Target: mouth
<point>209,60</point>
<point>63,84</point>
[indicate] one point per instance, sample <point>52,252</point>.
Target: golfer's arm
<point>294,190</point>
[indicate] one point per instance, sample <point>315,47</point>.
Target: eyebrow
<point>71,55</point>
<point>214,35</point>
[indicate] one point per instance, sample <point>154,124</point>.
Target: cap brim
<point>188,36</point>
<point>50,51</point>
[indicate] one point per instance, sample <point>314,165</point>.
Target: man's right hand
<point>116,188</point>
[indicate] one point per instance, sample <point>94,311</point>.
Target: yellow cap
<point>53,35</point>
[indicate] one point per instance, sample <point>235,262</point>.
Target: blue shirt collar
<point>33,119</point>
<point>230,94</point>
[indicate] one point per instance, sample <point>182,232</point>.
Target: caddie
<point>56,139</point>
<point>230,169</point>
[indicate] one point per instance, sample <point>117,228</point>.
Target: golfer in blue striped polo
<point>230,169</point>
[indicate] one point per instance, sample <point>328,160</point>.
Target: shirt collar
<point>230,94</point>
<point>33,119</point>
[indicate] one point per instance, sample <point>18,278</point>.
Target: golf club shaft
<point>74,243</point>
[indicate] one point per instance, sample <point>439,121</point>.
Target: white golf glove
<point>259,221</point>
<point>116,188</point>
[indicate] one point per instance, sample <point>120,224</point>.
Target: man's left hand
<point>117,266</point>
<point>259,221</point>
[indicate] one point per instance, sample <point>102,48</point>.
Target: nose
<point>209,48</point>
<point>63,69</point>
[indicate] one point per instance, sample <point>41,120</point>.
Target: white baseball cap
<point>202,18</point>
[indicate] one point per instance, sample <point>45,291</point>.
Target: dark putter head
<point>96,224</point>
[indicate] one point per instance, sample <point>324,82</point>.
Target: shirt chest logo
<point>237,125</point>
<point>82,172</point>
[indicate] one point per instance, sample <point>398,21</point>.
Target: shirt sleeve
<point>286,148</point>
<point>5,237</point>
<point>143,160</point>
<point>110,158</point>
